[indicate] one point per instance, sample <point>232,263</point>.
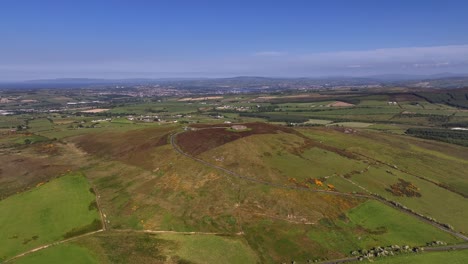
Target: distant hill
<point>442,80</point>
<point>448,82</point>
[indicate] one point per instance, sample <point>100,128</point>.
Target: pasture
<point>372,224</point>
<point>50,212</point>
<point>64,253</point>
<point>211,249</point>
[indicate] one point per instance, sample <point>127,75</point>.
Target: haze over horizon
<point>164,39</point>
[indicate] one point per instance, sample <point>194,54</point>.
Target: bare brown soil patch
<point>211,136</point>
<point>340,104</point>
<point>404,188</point>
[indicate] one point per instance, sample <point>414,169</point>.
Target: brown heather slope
<point>133,147</point>
<point>211,136</point>
<point>26,166</point>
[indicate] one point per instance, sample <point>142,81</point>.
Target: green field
<point>374,224</point>
<point>169,247</point>
<point>41,124</point>
<point>64,253</point>
<point>392,157</point>
<point>352,124</point>
<point>452,209</point>
<point>211,249</point>
<point>46,214</point>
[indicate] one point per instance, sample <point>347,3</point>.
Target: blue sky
<point>126,39</point>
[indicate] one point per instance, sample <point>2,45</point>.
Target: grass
<point>40,124</point>
<point>374,224</point>
<point>352,124</point>
<point>441,163</point>
<point>11,121</point>
<point>21,139</point>
<point>455,257</point>
<point>211,249</point>
<point>30,139</point>
<point>157,108</point>
<point>45,214</point>
<point>122,121</point>
<point>63,131</point>
<point>64,253</point>
<point>276,158</point>
<point>130,247</point>
<point>404,228</point>
<point>452,209</point>
<point>310,164</point>
<point>318,122</point>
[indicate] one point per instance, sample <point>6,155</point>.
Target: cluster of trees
<point>278,117</point>
<point>446,135</point>
<point>456,124</point>
<point>152,110</point>
<point>431,118</point>
<point>453,98</point>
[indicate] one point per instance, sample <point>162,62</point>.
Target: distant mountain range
<point>442,80</point>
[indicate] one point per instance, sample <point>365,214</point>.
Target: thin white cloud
<point>354,66</point>
<point>410,60</point>
<point>269,53</point>
<point>378,61</point>
<point>438,64</point>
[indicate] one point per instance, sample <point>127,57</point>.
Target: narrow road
<point>254,180</point>
<point>175,232</point>
<point>98,203</point>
